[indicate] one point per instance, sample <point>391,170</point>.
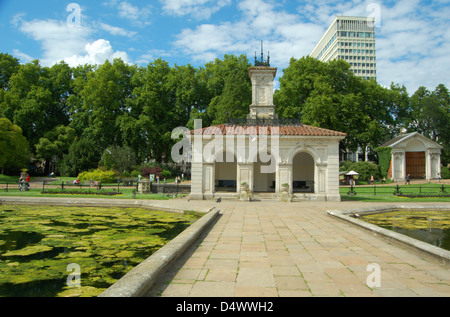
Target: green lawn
<point>126,193</point>
<point>35,190</point>
<point>385,193</point>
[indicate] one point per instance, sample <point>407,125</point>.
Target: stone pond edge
<point>352,215</point>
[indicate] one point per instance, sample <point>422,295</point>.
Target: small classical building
<point>263,156</point>
<point>414,155</point>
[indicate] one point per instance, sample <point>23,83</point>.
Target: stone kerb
<point>139,280</point>
<point>351,215</point>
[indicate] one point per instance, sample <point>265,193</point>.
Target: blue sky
<point>413,36</point>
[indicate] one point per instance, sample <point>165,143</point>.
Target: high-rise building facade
<point>351,39</point>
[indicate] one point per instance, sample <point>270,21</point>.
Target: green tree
<point>55,143</point>
<point>121,159</point>
<point>14,147</point>
<point>228,89</point>
<point>430,116</point>
<point>187,92</point>
<point>79,118</point>
<point>329,95</point>
<point>104,99</point>
<point>296,85</point>
<point>83,155</point>
<point>9,65</point>
<point>152,112</point>
<point>35,100</point>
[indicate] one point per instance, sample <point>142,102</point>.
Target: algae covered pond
<point>429,226</point>
<point>39,245</point>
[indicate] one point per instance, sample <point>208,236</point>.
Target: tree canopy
<point>14,148</point>
<point>76,113</point>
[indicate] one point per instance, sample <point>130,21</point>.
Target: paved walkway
<point>276,249</point>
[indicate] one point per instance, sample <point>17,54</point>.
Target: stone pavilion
<point>263,157</point>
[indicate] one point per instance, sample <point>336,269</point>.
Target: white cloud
<point>199,9</point>
<point>24,58</point>
<point>151,55</point>
<point>285,34</point>
<point>413,37</point>
<point>114,30</point>
<point>137,16</point>
<point>60,41</point>
<point>96,53</point>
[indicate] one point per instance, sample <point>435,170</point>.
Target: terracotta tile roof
<point>284,130</point>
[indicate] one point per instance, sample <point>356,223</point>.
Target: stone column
<point>245,175</point>
<point>322,179</point>
<point>398,165</point>
<point>196,181</point>
<point>284,176</point>
<point>208,180</point>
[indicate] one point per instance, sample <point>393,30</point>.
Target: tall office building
<point>351,39</point>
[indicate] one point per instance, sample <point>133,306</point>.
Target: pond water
<point>432,227</point>
<point>38,243</point>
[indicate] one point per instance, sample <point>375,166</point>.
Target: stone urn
<point>285,195</point>
<point>245,192</point>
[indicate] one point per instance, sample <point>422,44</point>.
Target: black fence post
<point>374,190</point>
<point>6,186</point>
<point>443,189</point>
<point>62,185</point>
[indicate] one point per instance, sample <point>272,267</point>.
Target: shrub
<point>135,173</point>
<point>166,174</point>
<point>365,170</point>
<point>345,166</point>
<point>147,171</point>
<point>445,172</point>
<point>98,175</point>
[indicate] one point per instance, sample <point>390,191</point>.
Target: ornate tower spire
<point>262,62</point>
<point>262,77</point>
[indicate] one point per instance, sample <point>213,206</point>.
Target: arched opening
<point>226,174</point>
<point>303,173</point>
<point>264,180</point>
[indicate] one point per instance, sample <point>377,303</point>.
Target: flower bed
<point>80,192</point>
<point>422,195</point>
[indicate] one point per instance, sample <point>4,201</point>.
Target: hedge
<point>384,159</point>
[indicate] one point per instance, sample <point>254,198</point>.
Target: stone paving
<point>274,249</point>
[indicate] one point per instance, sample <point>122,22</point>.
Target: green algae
<point>431,226</point>
<point>37,243</point>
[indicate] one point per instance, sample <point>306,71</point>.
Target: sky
<point>413,36</point>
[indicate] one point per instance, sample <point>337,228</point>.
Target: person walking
<point>408,179</point>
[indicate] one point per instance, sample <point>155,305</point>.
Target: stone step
<point>264,196</point>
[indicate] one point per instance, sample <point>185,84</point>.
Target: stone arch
<point>225,172</point>
<point>306,149</point>
<point>303,172</point>
<point>264,172</point>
